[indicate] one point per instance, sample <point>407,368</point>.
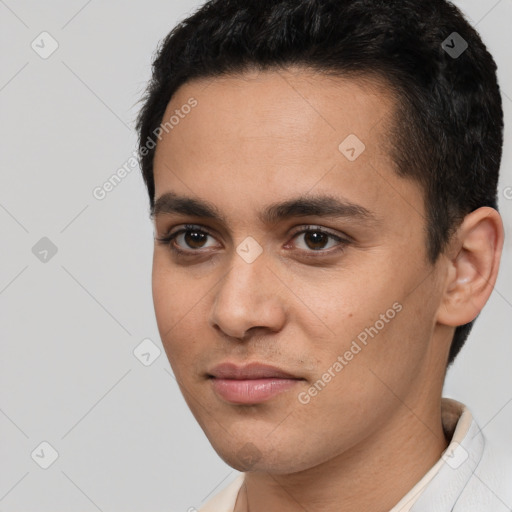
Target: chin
<point>251,455</point>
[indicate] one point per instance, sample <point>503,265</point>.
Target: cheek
<point>373,320</point>
<point>174,292</point>
<point>177,305</point>
<point>164,300</point>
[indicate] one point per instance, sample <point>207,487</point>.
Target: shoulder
<point>476,475</point>
<point>490,485</point>
<point>224,500</point>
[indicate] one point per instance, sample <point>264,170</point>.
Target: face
<point>337,294</point>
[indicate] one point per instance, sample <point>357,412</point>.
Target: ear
<point>474,259</point>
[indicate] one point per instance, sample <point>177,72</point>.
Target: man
<point>322,176</point>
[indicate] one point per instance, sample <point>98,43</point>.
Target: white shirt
<point>470,476</point>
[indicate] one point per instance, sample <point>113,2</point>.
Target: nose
<point>248,297</point>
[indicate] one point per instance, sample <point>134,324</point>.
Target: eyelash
<point>167,239</point>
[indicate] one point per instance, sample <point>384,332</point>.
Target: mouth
<point>250,384</point>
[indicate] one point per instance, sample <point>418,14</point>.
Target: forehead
<point>293,106</point>
<point>277,134</point>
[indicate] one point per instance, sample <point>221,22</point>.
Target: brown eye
<point>188,240</point>
<point>317,240</point>
<point>195,239</point>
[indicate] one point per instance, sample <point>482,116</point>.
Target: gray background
<point>125,438</point>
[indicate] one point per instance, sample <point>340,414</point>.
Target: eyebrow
<point>302,206</point>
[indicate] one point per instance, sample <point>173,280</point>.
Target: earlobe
<point>473,267</point>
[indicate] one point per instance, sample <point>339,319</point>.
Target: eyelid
<point>190,227</point>
<point>316,228</point>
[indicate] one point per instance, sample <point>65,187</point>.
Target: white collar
<point>444,481</point>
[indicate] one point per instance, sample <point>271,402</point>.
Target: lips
<point>249,371</point>
<point>250,384</point>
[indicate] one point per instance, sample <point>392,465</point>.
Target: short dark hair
<point>447,131</point>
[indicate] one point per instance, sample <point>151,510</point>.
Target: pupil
<point>194,237</point>
<point>318,238</point>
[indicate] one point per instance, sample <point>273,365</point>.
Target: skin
<point>375,429</point>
